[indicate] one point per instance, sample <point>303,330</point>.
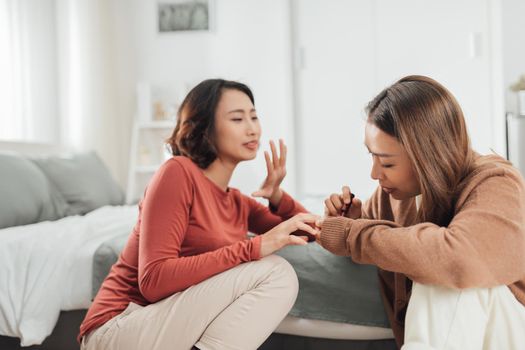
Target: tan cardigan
<point>483,246</point>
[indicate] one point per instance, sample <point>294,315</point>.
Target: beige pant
<point>443,318</point>
<point>237,309</point>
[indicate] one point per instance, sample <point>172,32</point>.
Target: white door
<point>351,50</point>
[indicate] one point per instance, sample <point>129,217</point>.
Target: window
<point>28,67</point>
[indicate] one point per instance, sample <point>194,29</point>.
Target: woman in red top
<point>188,276</point>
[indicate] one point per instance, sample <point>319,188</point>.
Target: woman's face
<point>237,128</point>
<point>391,165</point>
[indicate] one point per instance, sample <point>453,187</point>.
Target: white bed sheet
<point>47,267</point>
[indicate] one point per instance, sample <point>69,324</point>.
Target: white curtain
<point>9,127</point>
<point>58,79</point>
<point>87,79</point>
<point>87,76</point>
<point>27,70</point>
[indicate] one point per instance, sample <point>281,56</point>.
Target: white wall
<point>436,40</point>
<point>350,50</point>
<point>250,43</point>
<point>374,43</point>
<point>513,67</point>
<point>125,31</point>
<point>42,59</point>
<point>28,71</point>
<point>87,89</point>
<point>513,33</point>
<point>335,80</point>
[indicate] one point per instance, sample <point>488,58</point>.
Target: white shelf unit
<point>147,152</point>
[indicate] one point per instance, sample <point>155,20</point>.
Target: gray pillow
<point>26,194</point>
<point>83,180</point>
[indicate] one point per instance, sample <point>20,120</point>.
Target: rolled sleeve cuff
<point>334,235</point>
<point>255,249</point>
<point>285,207</point>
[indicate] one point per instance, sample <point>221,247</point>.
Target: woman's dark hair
<point>194,134</point>
<point>427,120</point>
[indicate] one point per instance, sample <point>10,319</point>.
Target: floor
<point>69,322</point>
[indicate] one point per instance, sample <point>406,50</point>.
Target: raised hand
<point>343,204</point>
<point>280,236</point>
<point>276,168</point>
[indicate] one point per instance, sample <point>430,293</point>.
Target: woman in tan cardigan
<point>446,226</point>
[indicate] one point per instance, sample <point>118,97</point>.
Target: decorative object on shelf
<point>519,87</point>
<point>159,102</point>
<point>165,111</point>
<point>159,113</point>
<point>183,15</point>
<point>144,155</point>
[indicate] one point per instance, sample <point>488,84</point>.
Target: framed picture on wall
<point>184,15</point>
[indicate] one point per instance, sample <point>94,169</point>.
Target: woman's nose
<point>376,173</point>
<point>252,127</point>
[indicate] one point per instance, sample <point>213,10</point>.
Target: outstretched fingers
<point>269,165</point>
<point>283,150</point>
<point>275,157</point>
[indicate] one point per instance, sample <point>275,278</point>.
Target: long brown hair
<point>428,121</point>
<point>194,134</point>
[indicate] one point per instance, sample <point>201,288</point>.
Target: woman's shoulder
<point>492,165</point>
<point>179,167</point>
<point>494,168</point>
<point>180,163</point>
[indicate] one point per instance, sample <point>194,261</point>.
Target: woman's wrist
<point>268,245</point>
<point>334,234</point>
<point>275,198</point>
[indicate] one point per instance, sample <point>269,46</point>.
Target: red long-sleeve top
<point>188,230</point>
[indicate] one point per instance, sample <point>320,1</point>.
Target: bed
<point>55,255</point>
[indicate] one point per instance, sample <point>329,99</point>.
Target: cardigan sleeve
<point>481,247</point>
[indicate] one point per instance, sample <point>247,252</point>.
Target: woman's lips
<point>253,145</point>
<point>388,190</point>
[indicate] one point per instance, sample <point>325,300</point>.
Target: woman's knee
<point>283,275</point>
<point>439,317</point>
<point>440,295</point>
